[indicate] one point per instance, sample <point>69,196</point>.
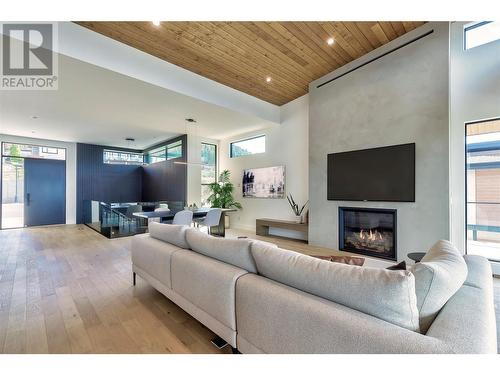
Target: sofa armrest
<point>467,322</point>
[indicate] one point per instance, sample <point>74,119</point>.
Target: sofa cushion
<point>153,256</point>
<point>174,234</point>
<point>208,284</point>
<point>479,272</point>
<point>388,295</point>
<point>232,251</point>
<point>440,273</point>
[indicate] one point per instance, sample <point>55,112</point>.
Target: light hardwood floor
<point>67,289</point>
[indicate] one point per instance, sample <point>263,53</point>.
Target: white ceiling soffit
<point>101,106</point>
<point>86,45</point>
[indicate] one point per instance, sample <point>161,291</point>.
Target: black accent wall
<point>163,181</point>
<point>104,182</point>
<point>166,180</point>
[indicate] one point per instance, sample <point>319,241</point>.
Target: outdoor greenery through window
<point>33,151</point>
<point>250,146</point>
<point>122,157</point>
<point>174,150</point>
<point>208,170</point>
<point>156,155</point>
<point>170,151</point>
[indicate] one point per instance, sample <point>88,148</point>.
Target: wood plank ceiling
<point>242,55</point>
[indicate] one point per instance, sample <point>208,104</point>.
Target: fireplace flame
<point>371,235</point>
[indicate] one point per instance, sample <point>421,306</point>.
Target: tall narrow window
<point>208,170</point>
<point>483,188</point>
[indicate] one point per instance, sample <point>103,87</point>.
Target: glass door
<point>18,207</point>
<point>12,192</point>
<point>483,188</point>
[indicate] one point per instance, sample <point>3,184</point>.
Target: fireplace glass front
<point>368,231</point>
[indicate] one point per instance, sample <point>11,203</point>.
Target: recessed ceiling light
<point>330,41</point>
<point>156,23</point>
<point>268,79</point>
<point>34,117</point>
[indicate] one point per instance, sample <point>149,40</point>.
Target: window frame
<point>121,162</point>
<point>155,152</point>
<point>30,146</point>
<point>472,27</point>
<point>231,155</point>
<point>466,169</point>
<point>174,145</point>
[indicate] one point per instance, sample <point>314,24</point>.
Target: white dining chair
<point>184,217</point>
<point>158,219</point>
<point>212,219</point>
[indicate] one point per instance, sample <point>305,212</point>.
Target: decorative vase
<point>298,219</point>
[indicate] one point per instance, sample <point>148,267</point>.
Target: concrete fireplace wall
<point>399,98</point>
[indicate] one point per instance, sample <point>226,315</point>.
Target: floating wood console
<point>262,227</point>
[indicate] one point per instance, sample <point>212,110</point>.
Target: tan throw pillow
<point>438,276</point>
<point>344,259</point>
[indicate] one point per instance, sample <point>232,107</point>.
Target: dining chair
<point>184,217</point>
<point>212,219</point>
<point>158,219</point>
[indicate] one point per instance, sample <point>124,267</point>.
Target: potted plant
<point>295,208</point>
<point>222,194</point>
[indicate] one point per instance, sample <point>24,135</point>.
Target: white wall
<point>286,144</point>
<point>70,168</point>
<point>474,95</point>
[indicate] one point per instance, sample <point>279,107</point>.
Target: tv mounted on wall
<point>264,182</point>
<point>385,174</point>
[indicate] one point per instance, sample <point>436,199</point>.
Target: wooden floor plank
<point>67,289</point>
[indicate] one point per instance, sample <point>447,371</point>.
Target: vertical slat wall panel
<point>104,182</point>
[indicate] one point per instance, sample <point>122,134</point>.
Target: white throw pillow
<point>385,294</point>
<point>173,234</point>
<point>438,276</point>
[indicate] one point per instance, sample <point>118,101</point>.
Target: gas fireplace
<point>368,231</point>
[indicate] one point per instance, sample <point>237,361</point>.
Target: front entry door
<point>44,192</point>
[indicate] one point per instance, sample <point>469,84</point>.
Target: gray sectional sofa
<point>263,299</point>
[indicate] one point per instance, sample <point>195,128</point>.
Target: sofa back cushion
<point>231,251</point>
<point>438,276</point>
<point>387,295</point>
<point>173,234</point>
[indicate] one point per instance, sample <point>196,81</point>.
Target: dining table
<point>165,216</point>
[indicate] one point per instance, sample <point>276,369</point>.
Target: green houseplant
<point>222,194</point>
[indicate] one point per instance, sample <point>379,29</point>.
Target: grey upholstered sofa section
<point>260,315</point>
<point>275,318</point>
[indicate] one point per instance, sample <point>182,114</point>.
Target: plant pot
<point>226,221</point>
<point>298,219</point>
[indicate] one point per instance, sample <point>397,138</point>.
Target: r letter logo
<point>28,60</point>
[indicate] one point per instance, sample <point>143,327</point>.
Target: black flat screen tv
<point>384,174</point>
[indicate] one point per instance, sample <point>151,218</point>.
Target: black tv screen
<point>376,174</point>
